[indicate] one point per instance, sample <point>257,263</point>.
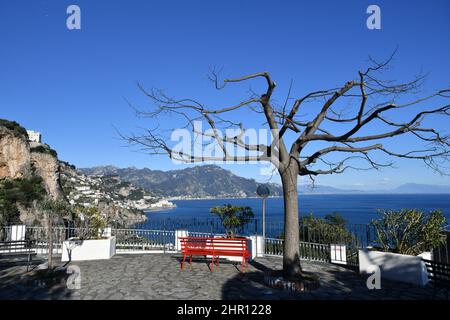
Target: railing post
<point>164,235</point>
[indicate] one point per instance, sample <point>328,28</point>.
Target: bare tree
<point>53,210</point>
<point>337,129</point>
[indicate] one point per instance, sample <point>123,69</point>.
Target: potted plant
<point>92,242</point>
<point>403,238</point>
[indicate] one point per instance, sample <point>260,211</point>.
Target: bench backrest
<point>16,246</point>
<point>214,244</point>
<point>438,272</point>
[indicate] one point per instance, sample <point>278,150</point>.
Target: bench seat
<point>215,248</point>
<point>18,249</point>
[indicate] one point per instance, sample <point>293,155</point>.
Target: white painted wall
<point>256,246</point>
<point>394,266</point>
<point>89,249</point>
<point>178,234</point>
<point>18,233</point>
<point>34,136</point>
<point>338,253</point>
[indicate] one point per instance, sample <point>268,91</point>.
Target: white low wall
<point>338,253</point>
<point>256,246</point>
<point>80,250</point>
<point>394,266</point>
<point>18,233</point>
<point>178,234</point>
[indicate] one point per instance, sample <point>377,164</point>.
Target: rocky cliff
<point>21,159</point>
<point>31,172</point>
<point>46,165</point>
<point>14,154</point>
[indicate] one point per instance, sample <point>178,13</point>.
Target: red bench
<point>215,247</point>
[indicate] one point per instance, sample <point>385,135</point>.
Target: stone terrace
<point>158,276</point>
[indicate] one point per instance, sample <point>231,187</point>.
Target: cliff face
<point>47,166</point>
<point>19,159</point>
<point>35,166</point>
<point>14,155</point>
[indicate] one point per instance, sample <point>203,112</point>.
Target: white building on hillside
<point>34,136</point>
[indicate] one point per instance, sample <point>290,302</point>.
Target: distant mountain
<point>319,189</point>
<point>406,188</point>
<point>421,188</point>
<point>215,182</point>
<point>208,181</point>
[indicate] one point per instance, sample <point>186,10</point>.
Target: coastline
<point>219,198</point>
<point>308,194</point>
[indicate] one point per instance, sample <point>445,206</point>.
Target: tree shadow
<point>336,283</point>
<point>36,284</point>
<point>249,285</point>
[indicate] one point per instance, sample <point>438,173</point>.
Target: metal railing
<point>40,237</point>
<point>307,250</point>
<point>143,240</point>
<point>126,239</point>
<point>205,234</point>
<point>315,244</point>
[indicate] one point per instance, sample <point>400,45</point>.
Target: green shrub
<point>327,230</point>
<point>93,223</point>
<point>15,192</point>
<point>16,128</point>
<point>44,149</point>
<point>136,195</point>
<point>410,231</point>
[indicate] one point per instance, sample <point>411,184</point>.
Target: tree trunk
<point>50,241</point>
<point>291,256</point>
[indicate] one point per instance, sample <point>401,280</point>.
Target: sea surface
<point>355,208</point>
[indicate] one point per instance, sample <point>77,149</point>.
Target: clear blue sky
<point>71,85</point>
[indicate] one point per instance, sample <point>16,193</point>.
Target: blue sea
<point>355,208</point>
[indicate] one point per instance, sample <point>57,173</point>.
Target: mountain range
<point>207,181</point>
<point>211,181</point>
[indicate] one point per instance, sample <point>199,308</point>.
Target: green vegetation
<point>92,222</point>
<point>16,128</point>
<point>233,218</point>
<point>326,230</point>
<point>45,149</point>
<point>18,192</point>
<point>136,195</point>
<point>410,231</point>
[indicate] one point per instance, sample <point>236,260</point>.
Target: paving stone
<point>158,276</point>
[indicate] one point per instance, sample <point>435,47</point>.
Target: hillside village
<point>31,172</point>
<point>84,190</point>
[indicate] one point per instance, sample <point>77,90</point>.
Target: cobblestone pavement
<point>158,276</point>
